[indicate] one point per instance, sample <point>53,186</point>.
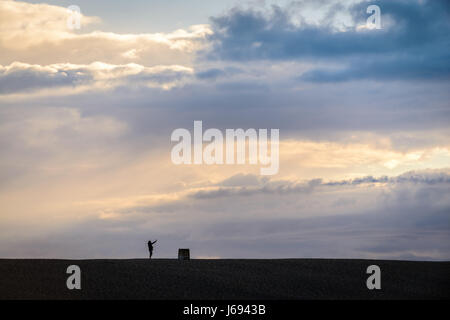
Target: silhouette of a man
<point>150,247</point>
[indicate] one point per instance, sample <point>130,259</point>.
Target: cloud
<point>214,73</point>
<point>398,67</point>
<point>249,185</point>
<point>413,43</point>
<point>404,217</point>
<point>19,77</point>
<point>38,34</point>
<point>242,180</point>
<point>210,73</point>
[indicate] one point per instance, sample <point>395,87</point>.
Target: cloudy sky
<point>86,117</point>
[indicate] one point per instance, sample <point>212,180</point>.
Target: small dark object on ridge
<point>183,254</point>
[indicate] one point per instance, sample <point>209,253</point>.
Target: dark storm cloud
<point>415,46</point>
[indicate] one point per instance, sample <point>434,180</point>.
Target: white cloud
<point>38,34</point>
<point>18,77</point>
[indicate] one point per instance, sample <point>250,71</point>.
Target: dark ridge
<point>223,279</point>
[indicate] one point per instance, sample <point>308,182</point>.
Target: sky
<point>86,117</point>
